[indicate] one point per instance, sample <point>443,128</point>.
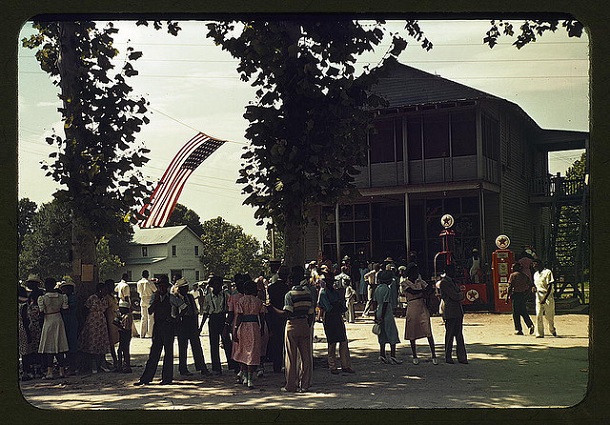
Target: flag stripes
<point>165,196</point>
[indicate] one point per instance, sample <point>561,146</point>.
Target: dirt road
<point>505,370</point>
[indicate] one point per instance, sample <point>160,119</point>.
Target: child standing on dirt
<point>124,321</point>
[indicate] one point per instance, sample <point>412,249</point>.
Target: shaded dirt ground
<point>505,370</point>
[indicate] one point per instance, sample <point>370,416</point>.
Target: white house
<point>171,251</point>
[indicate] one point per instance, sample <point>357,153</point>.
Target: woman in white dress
<point>53,341</point>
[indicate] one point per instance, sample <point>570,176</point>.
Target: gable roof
<point>158,235</point>
<point>402,85</point>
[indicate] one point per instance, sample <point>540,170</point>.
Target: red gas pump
<point>446,236</point>
<point>502,261</point>
<point>474,293</point>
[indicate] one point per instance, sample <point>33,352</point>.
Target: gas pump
<point>446,236</point>
<point>502,261</point>
<point>474,293</point>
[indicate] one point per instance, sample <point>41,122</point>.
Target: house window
<point>173,250</point>
<point>197,276</point>
<point>144,251</point>
<point>196,250</point>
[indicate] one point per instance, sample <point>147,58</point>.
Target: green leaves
<point>529,31</point>
<point>229,250</point>
<point>97,162</point>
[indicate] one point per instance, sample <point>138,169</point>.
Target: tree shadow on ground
<point>498,376</point>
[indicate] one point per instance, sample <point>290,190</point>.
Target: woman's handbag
<point>377,329</point>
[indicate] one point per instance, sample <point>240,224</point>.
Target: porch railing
<point>557,185</point>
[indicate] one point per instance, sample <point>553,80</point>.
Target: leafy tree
<point>228,250</point>
<point>46,249</point>
<point>574,235</point>
<point>96,160</point>
<point>278,242</point>
<point>184,216</point>
<point>27,212</point>
<point>109,264</point>
<point>529,30</point>
<point>308,127</point>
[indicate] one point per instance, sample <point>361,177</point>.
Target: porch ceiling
<point>560,140</point>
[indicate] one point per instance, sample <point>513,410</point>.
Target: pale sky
<point>192,86</point>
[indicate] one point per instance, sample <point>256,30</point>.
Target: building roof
<point>155,236</point>
<point>402,85</point>
<point>143,260</point>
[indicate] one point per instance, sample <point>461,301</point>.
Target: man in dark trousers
<point>215,309</point>
<point>188,318</point>
<point>162,337</point>
<point>453,315</point>
<point>277,322</point>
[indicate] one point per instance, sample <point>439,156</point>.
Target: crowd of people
<point>253,321</point>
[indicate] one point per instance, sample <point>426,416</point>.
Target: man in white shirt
<point>146,289</point>
<point>123,292</point>
<point>122,289</point>
<point>545,301</point>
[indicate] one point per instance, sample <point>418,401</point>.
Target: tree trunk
<point>294,232</point>
<point>84,267</point>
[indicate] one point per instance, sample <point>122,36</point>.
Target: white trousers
<point>146,322</point>
<point>545,311</point>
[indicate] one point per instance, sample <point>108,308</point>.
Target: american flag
<point>165,196</point>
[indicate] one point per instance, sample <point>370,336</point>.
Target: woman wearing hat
<point>384,315</point>
<point>417,322</point>
<point>31,359</point>
<point>24,332</point>
<point>53,341</point>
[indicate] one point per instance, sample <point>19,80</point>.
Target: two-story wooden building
<point>171,251</point>
<point>442,147</point>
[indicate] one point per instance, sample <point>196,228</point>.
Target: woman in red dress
<point>249,331</point>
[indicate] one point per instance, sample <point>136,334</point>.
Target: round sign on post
<point>447,221</point>
<point>502,242</point>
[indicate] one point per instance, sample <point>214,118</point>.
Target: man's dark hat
<point>385,276</point>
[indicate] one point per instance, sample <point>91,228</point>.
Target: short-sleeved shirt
<point>214,304</point>
<point>122,290</point>
<point>298,302</point>
<point>145,289</point>
<point>543,280</point>
<point>519,282</point>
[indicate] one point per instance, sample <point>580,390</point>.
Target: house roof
<point>402,85</point>
<point>144,260</point>
<point>155,236</point>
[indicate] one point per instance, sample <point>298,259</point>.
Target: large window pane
<point>414,146</point>
<point>463,133</point>
<point>381,140</point>
<point>346,232</point>
<point>361,231</point>
<point>361,211</point>
<point>436,136</point>
<point>398,133</point>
